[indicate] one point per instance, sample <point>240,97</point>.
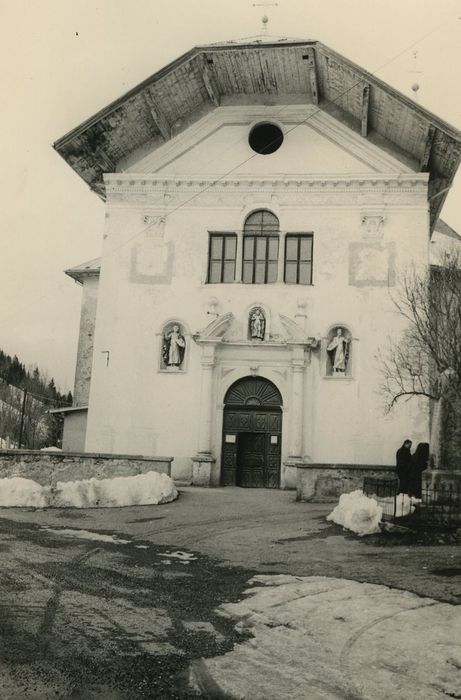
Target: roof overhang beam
<point>424,162</point>
<point>365,109</point>
<point>158,117</point>
<point>309,56</point>
<point>210,83</point>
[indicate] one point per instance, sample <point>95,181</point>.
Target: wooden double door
<point>251,452</point>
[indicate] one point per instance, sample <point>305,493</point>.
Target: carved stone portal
<point>256,324</point>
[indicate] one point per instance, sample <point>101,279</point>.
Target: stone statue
<point>339,351</point>
<point>174,346</point>
<point>257,324</point>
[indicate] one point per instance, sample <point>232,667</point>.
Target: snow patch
<point>358,513</point>
<point>183,557</point>
<point>52,448</point>
<point>24,492</point>
<point>151,488</point>
<point>324,638</point>
<point>86,535</point>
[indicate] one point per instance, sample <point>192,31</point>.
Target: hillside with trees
<point>26,396</point>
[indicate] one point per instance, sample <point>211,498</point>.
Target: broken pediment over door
<point>274,328</point>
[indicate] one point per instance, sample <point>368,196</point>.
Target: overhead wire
<point>240,164</point>
<point>287,131</point>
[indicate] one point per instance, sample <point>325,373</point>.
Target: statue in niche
<point>339,350</point>
<point>174,347</point>
<point>257,323</point>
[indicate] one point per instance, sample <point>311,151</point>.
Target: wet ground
<point>118,603</point>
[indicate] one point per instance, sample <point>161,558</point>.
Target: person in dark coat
<point>403,460</point>
<point>419,462</point>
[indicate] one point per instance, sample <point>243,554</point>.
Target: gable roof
<point>86,269</point>
<point>271,72</point>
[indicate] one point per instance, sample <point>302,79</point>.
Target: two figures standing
<point>410,467</point>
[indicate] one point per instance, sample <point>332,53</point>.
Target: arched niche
<point>174,341</point>
<point>339,349</point>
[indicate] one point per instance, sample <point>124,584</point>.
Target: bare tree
<point>426,360</point>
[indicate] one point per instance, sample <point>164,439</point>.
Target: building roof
<point>275,71</point>
<point>86,269</point>
<point>446,230</point>
<point>68,409</point>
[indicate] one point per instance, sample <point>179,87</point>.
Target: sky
<point>63,60</point>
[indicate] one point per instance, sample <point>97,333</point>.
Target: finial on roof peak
<point>265,18</point>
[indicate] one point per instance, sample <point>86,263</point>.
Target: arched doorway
<point>252,434</point>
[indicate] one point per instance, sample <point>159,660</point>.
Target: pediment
<point>272,73</point>
<point>314,143</point>
<point>230,329</point>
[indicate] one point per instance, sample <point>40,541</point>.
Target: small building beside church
<point>261,200</point>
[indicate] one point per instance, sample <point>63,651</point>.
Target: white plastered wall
<point>154,270</point>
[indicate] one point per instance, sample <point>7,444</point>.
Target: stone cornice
<point>123,185</point>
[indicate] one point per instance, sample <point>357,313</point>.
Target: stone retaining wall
<point>49,467</point>
<point>322,483</point>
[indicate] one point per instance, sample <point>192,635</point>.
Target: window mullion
<point>223,256</point>
<point>298,261</point>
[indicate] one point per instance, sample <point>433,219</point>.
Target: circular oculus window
<point>265,138</point>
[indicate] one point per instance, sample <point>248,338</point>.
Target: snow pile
<point>405,505</point>
<point>22,492</point>
<point>52,448</point>
<point>151,488</point>
<point>358,513</point>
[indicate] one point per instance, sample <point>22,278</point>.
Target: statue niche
<point>173,346</point>
<point>338,352</point>
<point>256,324</point>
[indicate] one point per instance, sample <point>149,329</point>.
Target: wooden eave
<point>91,268</point>
<point>196,82</point>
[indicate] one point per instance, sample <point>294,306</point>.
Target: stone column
<point>297,403</point>
<point>206,389</point>
<point>204,460</point>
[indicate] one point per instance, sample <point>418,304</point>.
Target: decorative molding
<point>341,190</point>
<point>294,331</point>
<point>215,330</point>
<point>373,224</point>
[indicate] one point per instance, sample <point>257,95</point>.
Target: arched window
<point>260,248</point>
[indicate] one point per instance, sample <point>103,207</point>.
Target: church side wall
<point>86,340</point>
<point>154,271</point>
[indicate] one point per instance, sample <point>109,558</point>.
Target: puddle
<point>448,572</point>
<point>86,535</point>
